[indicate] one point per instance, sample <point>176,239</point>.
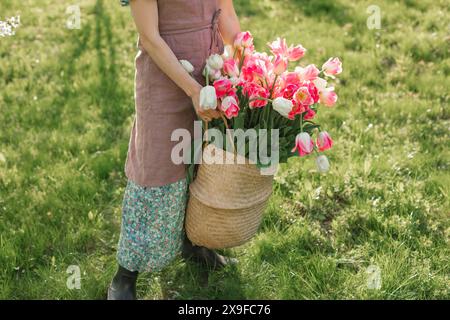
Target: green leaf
<point>239,121</point>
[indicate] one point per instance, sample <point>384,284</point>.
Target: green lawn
<point>66,107</point>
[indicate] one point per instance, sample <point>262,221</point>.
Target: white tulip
<point>283,106</point>
<point>322,163</point>
<point>187,66</point>
<point>208,98</point>
<point>215,62</point>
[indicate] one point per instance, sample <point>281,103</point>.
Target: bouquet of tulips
<point>256,90</point>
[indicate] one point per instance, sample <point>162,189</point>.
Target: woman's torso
<point>190,28</point>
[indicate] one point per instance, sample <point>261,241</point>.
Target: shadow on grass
<point>325,9</point>
<point>111,97</point>
<point>191,281</point>
<point>52,116</point>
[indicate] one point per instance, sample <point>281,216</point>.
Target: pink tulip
<point>279,47</point>
<point>279,65</point>
<point>230,68</point>
<point>290,78</point>
<point>250,88</point>
<point>230,107</point>
<point>297,109</point>
<point>289,90</point>
<point>303,144</point>
<point>310,114</point>
<point>296,53</point>
<point>222,86</point>
<point>303,97</point>
<point>324,141</point>
<point>263,60</point>
<point>332,67</point>
<point>328,97</point>
<point>308,73</point>
<point>255,92</point>
<point>243,40</point>
<point>254,69</point>
<point>320,84</point>
<point>314,92</point>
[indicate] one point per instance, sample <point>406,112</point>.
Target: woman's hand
<point>204,114</point>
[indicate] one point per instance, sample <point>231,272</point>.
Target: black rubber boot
<point>205,256</point>
<point>123,285</point>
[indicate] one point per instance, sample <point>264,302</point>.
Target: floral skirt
<point>152,226</point>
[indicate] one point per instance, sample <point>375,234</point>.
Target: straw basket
<point>226,201</point>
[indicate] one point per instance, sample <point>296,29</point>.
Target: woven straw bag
<point>227,200</point>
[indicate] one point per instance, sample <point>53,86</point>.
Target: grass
<point>66,107</point>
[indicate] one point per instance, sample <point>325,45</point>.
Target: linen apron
<point>190,28</point>
<point>155,197</point>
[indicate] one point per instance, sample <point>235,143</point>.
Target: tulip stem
<point>241,63</point>
<point>252,112</point>
<point>301,122</point>
<point>207,76</point>
<point>273,86</point>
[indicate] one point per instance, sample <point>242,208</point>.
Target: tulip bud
<point>230,107</point>
<point>208,98</point>
<point>230,68</point>
<point>303,144</point>
<point>215,62</point>
<point>328,97</point>
<point>296,53</point>
<point>283,106</point>
<point>332,67</point>
<point>187,66</point>
<point>322,164</point>
<point>279,65</point>
<point>324,141</point>
<point>212,74</point>
<point>243,39</point>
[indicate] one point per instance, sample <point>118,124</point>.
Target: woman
<point>167,98</point>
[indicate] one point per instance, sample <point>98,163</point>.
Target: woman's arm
<point>145,15</point>
<point>228,22</point>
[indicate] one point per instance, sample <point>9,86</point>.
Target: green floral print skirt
<point>152,226</point>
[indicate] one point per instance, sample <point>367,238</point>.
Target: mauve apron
<point>190,28</point>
